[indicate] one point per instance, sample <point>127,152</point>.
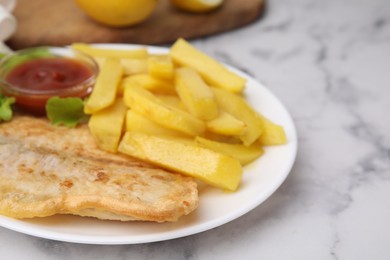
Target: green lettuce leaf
<point>5,107</point>
<point>65,111</point>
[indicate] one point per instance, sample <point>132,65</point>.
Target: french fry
<point>107,135</point>
<point>130,66</point>
<point>140,53</point>
<point>212,71</point>
<point>160,66</point>
<point>134,66</point>
<point>171,100</point>
<point>226,124</point>
<point>106,87</point>
<point>273,134</point>
<point>245,154</point>
<point>211,167</point>
<point>196,96</point>
<point>240,109</point>
<point>145,103</point>
<point>155,85</point>
<point>136,122</point>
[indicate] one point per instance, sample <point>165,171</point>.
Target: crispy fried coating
<point>47,170</point>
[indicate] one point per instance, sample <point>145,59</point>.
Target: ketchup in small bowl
<point>34,75</point>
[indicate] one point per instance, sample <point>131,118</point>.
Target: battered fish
<point>47,170</point>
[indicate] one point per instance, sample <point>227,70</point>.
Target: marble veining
<point>329,63</point>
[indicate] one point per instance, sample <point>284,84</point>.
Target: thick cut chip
<point>196,96</point>
<point>245,154</point>
<point>140,124</point>
<point>107,125</point>
<point>211,167</point>
<point>134,66</point>
<point>130,66</point>
<point>106,87</point>
<point>273,134</point>
<point>160,66</point>
<point>213,72</point>
<point>97,52</point>
<point>240,109</point>
<point>148,105</point>
<point>171,100</point>
<point>226,124</point>
<point>154,84</point>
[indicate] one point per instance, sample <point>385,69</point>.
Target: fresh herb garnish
<point>5,107</point>
<point>65,111</point>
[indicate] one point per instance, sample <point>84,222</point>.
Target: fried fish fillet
<point>47,170</point>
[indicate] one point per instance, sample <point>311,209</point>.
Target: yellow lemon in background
<point>197,6</point>
<point>118,13</point>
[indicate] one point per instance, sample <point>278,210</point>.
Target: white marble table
<point>329,63</point>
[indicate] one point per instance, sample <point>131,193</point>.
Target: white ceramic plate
<point>261,178</point>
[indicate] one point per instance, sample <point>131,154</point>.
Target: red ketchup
<point>35,81</point>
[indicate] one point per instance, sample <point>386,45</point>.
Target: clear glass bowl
<point>33,99</point>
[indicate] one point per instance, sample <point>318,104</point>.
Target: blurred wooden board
<point>61,22</point>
